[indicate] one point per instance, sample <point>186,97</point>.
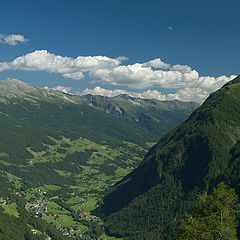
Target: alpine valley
<point>60,153</point>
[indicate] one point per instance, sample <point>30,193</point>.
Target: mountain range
<point>32,117</point>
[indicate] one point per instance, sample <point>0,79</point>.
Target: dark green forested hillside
<point>197,155</point>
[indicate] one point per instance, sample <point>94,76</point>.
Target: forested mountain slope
<point>201,152</point>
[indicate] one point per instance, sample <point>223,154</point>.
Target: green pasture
<point>11,209</point>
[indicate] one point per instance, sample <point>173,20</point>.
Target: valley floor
<point>69,206</point>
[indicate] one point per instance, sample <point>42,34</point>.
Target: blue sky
<point>174,49</point>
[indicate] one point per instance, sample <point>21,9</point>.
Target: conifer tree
<point>214,217</point>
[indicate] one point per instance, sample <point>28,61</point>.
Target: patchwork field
<point>91,167</point>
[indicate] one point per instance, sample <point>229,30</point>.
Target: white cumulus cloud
<point>211,83</point>
<point>74,76</point>
<point>104,92</point>
<point>12,39</point>
<point>195,93</point>
<point>157,63</point>
<point>185,82</point>
<point>149,94</point>
<point>42,60</point>
<point>139,76</point>
<point>122,58</point>
<point>181,68</point>
<point>60,88</point>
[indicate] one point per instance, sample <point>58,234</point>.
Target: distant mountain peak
<point>13,84</point>
<point>124,96</point>
<point>11,88</point>
<point>14,80</point>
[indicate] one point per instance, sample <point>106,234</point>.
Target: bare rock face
<point>13,88</point>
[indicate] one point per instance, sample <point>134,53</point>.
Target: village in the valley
<point>70,216</point>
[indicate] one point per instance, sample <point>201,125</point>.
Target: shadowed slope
<point>195,156</point>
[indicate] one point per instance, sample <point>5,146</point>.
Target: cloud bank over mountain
<point>183,82</point>
<point>186,94</point>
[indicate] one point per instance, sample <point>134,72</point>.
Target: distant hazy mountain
<point>157,116</point>
<point>197,155</point>
<point>13,88</point>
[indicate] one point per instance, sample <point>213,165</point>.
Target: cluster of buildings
<point>39,209</point>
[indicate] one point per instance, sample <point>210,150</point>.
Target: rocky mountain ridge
<point>157,116</point>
